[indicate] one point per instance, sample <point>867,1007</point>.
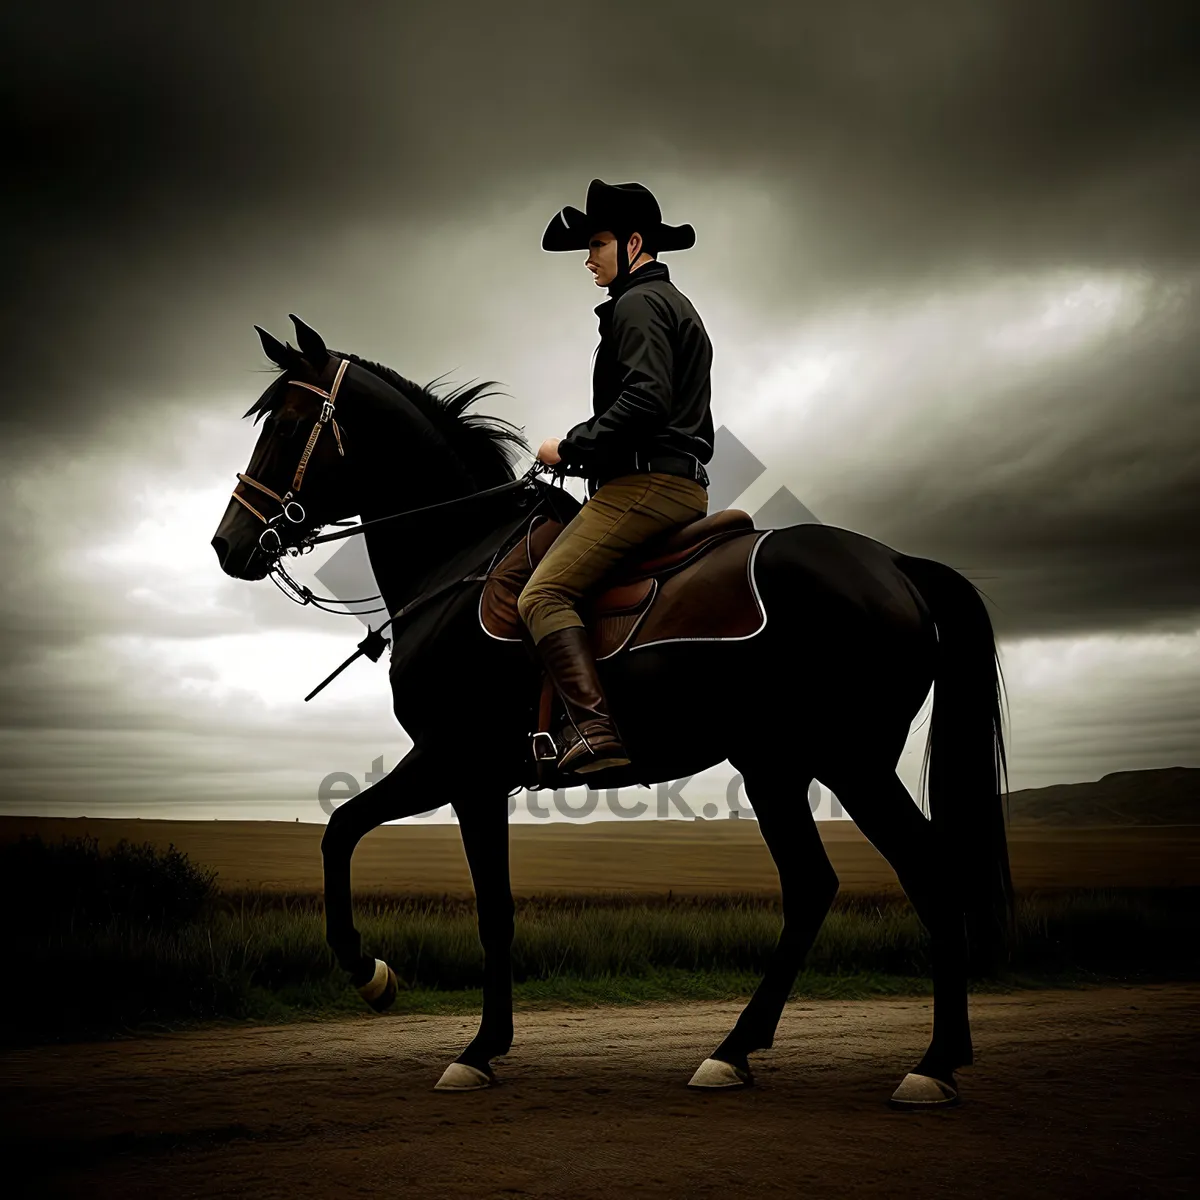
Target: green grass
<point>265,958</point>
<point>82,969</point>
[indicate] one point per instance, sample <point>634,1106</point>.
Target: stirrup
<point>541,745</point>
<point>544,753</point>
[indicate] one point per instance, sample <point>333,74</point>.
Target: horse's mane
<point>486,445</point>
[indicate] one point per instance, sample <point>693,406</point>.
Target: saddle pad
<point>712,598</point>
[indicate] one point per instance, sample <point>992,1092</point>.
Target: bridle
<point>271,542</point>
<point>290,509</point>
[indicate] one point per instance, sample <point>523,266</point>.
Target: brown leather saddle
<point>696,583</point>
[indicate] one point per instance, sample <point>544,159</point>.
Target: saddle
<point>693,583</point>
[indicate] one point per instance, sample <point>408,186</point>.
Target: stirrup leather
<point>542,746</point>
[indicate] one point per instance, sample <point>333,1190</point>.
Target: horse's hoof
<point>460,1077</point>
<point>713,1073</point>
<point>380,990</point>
<point>923,1091</point>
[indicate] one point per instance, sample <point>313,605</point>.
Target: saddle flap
<point>624,598</point>
<point>498,602</point>
<point>713,598</point>
<point>543,531</point>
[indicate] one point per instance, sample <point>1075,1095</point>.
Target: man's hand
<point>548,452</point>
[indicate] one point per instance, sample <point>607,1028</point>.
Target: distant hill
<point>1166,796</point>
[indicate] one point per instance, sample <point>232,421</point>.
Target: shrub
<point>72,885</point>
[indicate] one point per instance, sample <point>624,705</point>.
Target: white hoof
<point>375,986</point>
<point>459,1077</point>
<point>713,1073</point>
<point>923,1091</point>
<point>380,990</point>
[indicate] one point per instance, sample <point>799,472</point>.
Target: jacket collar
<point>651,271</point>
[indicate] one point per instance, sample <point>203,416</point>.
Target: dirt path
<point>1074,1093</point>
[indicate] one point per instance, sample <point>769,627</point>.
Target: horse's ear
<point>312,345</point>
<point>276,351</point>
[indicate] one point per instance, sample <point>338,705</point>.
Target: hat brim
<point>567,231</point>
<point>675,237</point>
<point>571,229</point>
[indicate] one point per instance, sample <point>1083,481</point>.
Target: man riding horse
<point>642,452</point>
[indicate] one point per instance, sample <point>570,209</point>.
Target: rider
<point>642,452</point>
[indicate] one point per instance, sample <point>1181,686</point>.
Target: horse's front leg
<point>484,827</point>
<point>401,793</point>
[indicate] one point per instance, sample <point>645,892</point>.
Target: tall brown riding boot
<point>593,741</point>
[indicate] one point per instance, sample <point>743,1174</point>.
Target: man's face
<point>602,258</point>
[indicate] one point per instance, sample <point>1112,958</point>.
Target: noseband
<point>290,508</point>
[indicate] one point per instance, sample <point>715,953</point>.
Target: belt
<point>687,466</point>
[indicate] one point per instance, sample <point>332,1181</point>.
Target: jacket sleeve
<point>641,332</point>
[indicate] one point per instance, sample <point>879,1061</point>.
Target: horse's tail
<point>965,758</point>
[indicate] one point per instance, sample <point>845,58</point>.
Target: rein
<point>301,594</point>
<point>512,485</point>
<point>374,644</point>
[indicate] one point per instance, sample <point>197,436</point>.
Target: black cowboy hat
<point>620,207</point>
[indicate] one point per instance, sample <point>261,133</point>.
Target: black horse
<point>876,627</point>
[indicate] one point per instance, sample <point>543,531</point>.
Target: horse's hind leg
<point>808,884</point>
<point>887,816</point>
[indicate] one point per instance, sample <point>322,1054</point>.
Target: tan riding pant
<point>623,513</point>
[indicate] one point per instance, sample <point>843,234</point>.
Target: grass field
<point>636,857</point>
<point>264,957</point>
<point>157,944</point>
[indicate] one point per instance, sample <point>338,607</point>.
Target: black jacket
<point>650,380</point>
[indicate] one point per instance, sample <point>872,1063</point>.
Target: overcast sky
<point>948,255</point>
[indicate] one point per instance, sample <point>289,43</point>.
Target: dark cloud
<point>182,171</point>
<point>1079,511</point>
<point>176,158</point>
<point>205,99</point>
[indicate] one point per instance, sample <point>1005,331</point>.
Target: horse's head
<point>301,474</point>
<point>411,446</point>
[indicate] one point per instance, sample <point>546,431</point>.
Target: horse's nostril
<point>221,546</point>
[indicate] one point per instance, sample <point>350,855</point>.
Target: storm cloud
<point>171,158</point>
<point>948,255</point>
